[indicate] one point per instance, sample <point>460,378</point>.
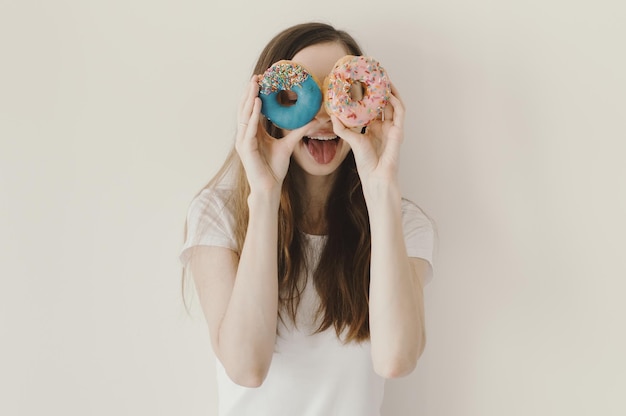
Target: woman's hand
<point>264,158</point>
<point>396,305</point>
<point>377,151</point>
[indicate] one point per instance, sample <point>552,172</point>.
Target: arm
<point>396,309</point>
<point>239,295</point>
<point>396,301</point>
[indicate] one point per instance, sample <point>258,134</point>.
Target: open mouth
<point>322,148</point>
<point>320,138</point>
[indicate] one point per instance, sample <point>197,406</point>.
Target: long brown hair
<point>342,275</point>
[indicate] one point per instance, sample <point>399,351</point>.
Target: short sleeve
<point>419,236</point>
<point>209,223</point>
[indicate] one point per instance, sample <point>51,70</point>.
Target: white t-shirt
<point>311,374</point>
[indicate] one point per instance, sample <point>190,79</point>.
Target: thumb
<point>292,138</point>
<point>345,133</point>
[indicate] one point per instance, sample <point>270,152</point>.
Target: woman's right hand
<point>264,158</point>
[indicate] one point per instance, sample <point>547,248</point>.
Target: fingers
<point>344,132</point>
<point>249,113</point>
<point>247,101</point>
<point>292,137</point>
<point>396,108</point>
<point>393,130</point>
<point>254,120</point>
<point>394,91</point>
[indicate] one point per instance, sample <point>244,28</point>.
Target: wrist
<point>384,207</point>
<point>382,193</point>
<point>266,198</point>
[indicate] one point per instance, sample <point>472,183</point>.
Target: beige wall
<point>114,113</point>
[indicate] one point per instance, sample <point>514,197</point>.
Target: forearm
<point>396,297</point>
<point>247,332</point>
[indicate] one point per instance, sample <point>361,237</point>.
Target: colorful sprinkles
<point>350,70</point>
<point>283,75</point>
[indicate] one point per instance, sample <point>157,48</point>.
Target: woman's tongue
<point>323,151</point>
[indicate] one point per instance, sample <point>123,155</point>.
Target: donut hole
<point>357,91</point>
<point>287,98</point>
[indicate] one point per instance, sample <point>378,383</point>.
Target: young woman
<point>308,263</point>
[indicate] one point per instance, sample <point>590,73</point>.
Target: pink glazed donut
<point>338,99</point>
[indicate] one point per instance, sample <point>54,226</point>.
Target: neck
<point>314,192</point>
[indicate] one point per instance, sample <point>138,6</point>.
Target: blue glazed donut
<point>289,76</point>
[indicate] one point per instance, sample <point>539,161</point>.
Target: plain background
<point>113,114</point>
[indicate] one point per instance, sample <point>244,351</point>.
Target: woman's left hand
<point>377,151</point>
